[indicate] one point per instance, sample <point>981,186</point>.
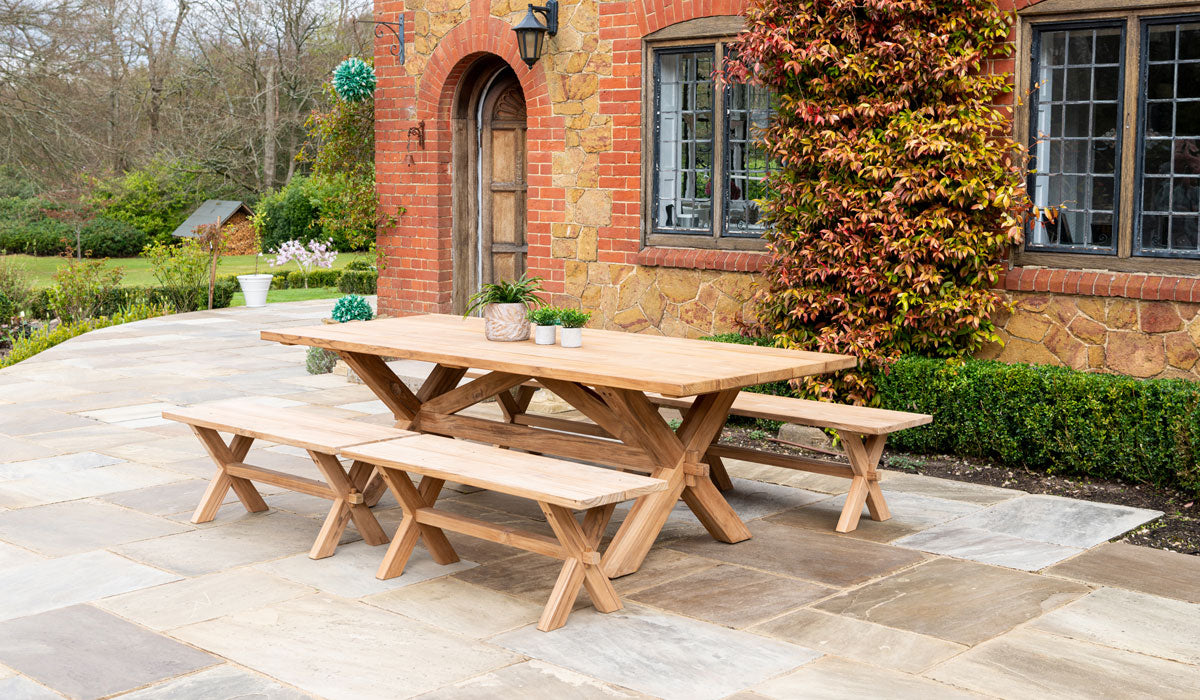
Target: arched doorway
<point>489,174</point>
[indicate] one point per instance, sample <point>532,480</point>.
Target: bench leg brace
<point>222,481</point>
<point>411,500</point>
<point>349,503</point>
<point>582,566</point>
<point>864,452</point>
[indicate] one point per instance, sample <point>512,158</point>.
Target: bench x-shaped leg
<point>581,566</point>
<point>224,455</point>
<point>864,452</point>
<point>349,502</point>
<point>411,500</point>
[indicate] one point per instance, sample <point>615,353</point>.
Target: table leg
<point>863,452</point>
<point>673,450</point>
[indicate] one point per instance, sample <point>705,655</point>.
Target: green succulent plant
<point>352,308</point>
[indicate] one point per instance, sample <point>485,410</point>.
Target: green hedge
<point>346,280</point>
<point>358,282</point>
<point>123,297</point>
<point>25,228</point>
<point>1053,419</point>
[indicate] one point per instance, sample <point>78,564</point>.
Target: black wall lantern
<point>531,33</point>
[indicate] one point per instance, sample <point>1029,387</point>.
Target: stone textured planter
<point>544,335</point>
<point>505,323</point>
<point>572,337</point>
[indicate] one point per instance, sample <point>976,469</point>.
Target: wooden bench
<point>558,486</point>
<point>862,432</point>
<point>352,492</point>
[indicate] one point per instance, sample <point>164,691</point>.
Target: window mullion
<point>1130,188</point>
<point>720,126</point>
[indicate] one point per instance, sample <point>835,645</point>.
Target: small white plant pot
<point>544,335</point>
<point>505,323</point>
<point>572,337</point>
<point>255,288</point>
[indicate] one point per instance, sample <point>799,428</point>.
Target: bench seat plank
<point>863,420</point>
<point>520,474</point>
<point>283,425</point>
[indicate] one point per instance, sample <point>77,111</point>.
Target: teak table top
<point>668,366</point>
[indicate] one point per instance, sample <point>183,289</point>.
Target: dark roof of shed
<point>212,210</point>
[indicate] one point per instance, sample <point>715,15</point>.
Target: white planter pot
<point>255,288</point>
<point>544,335</point>
<point>572,337</point>
<point>505,323</point>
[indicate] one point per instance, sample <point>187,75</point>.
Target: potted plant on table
<point>545,324</point>
<point>572,321</point>
<point>505,306</point>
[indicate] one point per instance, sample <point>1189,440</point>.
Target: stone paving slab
<point>821,558</point>
<point>1034,665</point>
<point>350,572</point>
<point>54,466</point>
<point>731,595</point>
<point>47,584</point>
<point>21,688</point>
<point>219,683</point>
<point>987,547</point>
<point>1061,521</point>
<point>165,499</point>
<point>193,600</point>
<point>13,556</point>
<point>255,538</point>
<point>456,606</point>
<point>911,513</point>
<point>662,655</point>
<point>317,644</point>
<point>832,678</point>
<point>106,654</point>
<point>50,488</point>
<point>860,640</point>
<point>67,528</point>
<point>1168,629</point>
<point>532,680</point>
<point>1155,571</point>
<point>957,601</point>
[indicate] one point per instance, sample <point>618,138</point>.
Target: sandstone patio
<point>107,589</point>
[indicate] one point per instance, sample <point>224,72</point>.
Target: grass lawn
<point>276,295</point>
<point>138,272</point>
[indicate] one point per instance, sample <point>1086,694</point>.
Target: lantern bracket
<point>550,12</point>
<point>396,29</point>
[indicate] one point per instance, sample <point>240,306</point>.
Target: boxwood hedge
<point>1052,419</point>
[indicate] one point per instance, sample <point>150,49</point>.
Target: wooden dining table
<point>607,380</point>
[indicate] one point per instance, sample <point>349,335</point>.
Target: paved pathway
<point>106,589</point>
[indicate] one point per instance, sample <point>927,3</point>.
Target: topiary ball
<point>354,80</point>
<point>352,308</point>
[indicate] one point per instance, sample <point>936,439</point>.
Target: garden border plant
<point>895,190</point>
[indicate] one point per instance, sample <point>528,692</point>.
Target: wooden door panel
<point>503,219</point>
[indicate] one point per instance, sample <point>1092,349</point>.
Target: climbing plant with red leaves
<point>896,189</point>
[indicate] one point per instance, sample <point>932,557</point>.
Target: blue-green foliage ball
<point>354,80</point>
<point>352,308</point>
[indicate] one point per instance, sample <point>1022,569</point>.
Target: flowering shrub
<point>894,192</point>
<point>307,257</point>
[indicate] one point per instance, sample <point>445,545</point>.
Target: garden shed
<point>614,167</point>
<point>223,211</point>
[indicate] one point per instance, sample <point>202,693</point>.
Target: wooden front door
<point>501,228</point>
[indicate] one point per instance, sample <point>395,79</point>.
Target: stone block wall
<point>1139,337</point>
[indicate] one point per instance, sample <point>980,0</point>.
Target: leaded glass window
<point>1077,137</point>
<point>684,140</point>
<point>709,167</point>
<point>1169,159</point>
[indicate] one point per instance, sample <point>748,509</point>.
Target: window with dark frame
<point>1114,129</point>
<point>708,166</point>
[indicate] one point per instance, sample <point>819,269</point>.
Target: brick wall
<point>584,164</point>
